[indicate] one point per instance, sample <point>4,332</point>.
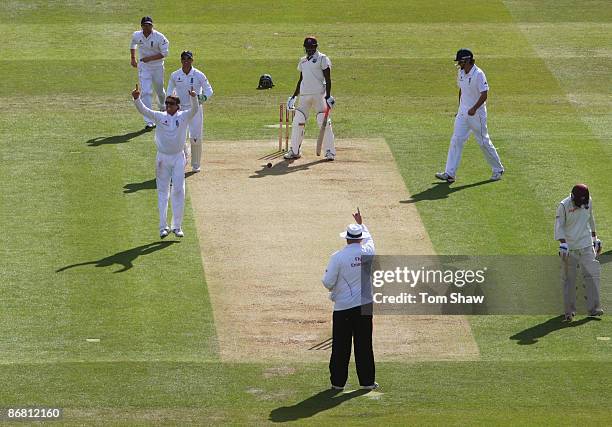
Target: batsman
<point>578,246</point>
<point>314,89</point>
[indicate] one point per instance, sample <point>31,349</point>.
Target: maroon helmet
<point>580,195</point>
<point>310,45</point>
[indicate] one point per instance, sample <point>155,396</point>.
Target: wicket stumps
<point>285,116</point>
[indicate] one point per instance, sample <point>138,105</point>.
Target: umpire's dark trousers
<point>351,325</point>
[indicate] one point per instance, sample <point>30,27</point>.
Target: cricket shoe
<point>178,232</point>
<point>337,387</point>
<point>196,168</point>
<point>569,317</point>
<point>496,176</point>
<point>163,232</point>
<point>149,126</point>
<point>596,313</point>
<point>329,156</point>
<point>291,155</point>
<point>445,177</point>
<point>370,387</point>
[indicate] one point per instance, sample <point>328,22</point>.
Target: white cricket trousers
<point>151,79</point>
<point>193,148</point>
<point>464,126</point>
<point>318,104</point>
<point>591,272</point>
<point>170,168</point>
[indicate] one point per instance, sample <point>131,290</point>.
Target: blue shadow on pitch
<point>125,259</point>
<point>531,335</point>
<point>322,401</point>
<point>117,139</point>
<point>441,190</point>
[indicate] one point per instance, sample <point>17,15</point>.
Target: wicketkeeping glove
<point>563,250</point>
<point>291,103</point>
<point>202,98</point>
<point>597,246</point>
<point>331,101</point>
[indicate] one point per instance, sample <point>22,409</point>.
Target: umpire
<point>352,318</point>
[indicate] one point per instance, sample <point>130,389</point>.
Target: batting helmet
<point>310,41</point>
<point>265,82</point>
<point>580,195</point>
<point>463,54</point>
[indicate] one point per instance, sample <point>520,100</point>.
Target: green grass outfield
<point>76,188</point>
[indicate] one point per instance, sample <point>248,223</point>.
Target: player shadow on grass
<point>441,190</point>
<point>605,257</point>
<point>117,139</point>
<point>137,186</point>
<point>150,184</point>
<point>124,258</point>
<point>322,401</point>
<point>531,335</point>
<point>285,167</point>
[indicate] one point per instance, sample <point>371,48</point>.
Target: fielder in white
<point>578,245</point>
<point>152,49</point>
<point>471,118</point>
<point>170,163</point>
<point>314,89</point>
<point>180,82</point>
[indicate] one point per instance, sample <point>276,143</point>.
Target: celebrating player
<point>170,140</point>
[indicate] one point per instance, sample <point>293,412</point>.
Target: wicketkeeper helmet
<point>265,82</point>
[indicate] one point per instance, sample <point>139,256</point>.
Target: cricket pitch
<point>266,235</point>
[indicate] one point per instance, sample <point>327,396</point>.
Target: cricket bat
<point>322,131</point>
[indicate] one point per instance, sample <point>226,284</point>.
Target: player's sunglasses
<point>170,103</point>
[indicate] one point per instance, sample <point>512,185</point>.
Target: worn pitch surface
<point>266,235</point>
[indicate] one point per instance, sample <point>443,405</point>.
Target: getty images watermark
<point>411,278</point>
<point>432,285</point>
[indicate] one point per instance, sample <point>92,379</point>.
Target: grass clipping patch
<point>266,235</point>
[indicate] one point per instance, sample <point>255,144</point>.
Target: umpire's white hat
<point>354,232</point>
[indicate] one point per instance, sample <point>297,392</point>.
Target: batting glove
<point>597,246</point>
<point>563,250</point>
<point>331,101</point>
<point>202,98</point>
<point>291,103</point>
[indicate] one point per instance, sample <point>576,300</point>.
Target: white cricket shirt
<point>313,81</point>
<point>147,46</point>
<point>343,274</point>
<point>170,131</point>
<point>472,85</point>
<point>182,83</point>
<point>574,224</point>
